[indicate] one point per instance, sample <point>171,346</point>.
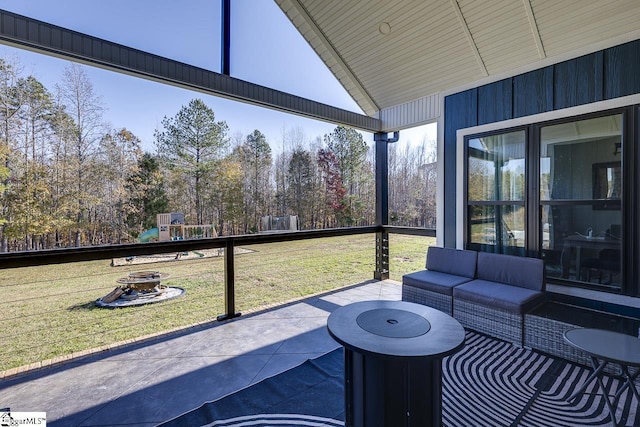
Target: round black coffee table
<point>393,354</point>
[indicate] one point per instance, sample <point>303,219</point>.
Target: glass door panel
<point>580,196</point>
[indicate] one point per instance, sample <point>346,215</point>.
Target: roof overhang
<point>398,59</point>
<point>27,33</point>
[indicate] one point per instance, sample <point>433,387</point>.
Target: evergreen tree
<point>334,191</point>
<point>62,176</point>
<point>302,186</point>
<point>120,155</point>
<point>148,195</point>
<point>255,156</point>
<point>190,144</point>
<point>229,197</point>
<point>30,202</point>
<point>29,196</point>
<point>10,104</point>
<point>350,151</point>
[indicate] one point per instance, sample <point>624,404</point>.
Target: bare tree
<point>412,184</point>
<point>85,108</point>
<point>10,103</point>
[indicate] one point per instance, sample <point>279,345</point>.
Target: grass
<point>48,312</point>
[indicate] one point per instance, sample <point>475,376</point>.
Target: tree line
<point>68,180</point>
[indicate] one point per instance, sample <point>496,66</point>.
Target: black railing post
<point>382,203</point>
<point>229,283</point>
<point>382,256</point>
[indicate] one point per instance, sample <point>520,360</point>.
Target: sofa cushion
<point>499,295</point>
<point>512,270</point>
<point>452,261</point>
<point>434,281</point>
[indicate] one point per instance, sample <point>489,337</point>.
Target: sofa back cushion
<point>452,261</point>
<point>512,270</point>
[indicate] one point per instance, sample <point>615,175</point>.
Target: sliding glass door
<point>554,190</point>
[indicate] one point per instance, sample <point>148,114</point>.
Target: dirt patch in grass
<point>175,256</point>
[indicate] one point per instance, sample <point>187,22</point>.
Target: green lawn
<point>48,312</point>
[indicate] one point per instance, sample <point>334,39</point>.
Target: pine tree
<point>255,157</point>
<point>190,144</point>
<point>148,196</point>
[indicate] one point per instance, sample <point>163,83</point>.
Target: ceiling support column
<point>225,38</point>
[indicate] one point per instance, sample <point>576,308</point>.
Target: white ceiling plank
<point>472,44</point>
<point>534,29</point>
<point>437,46</point>
<point>367,103</point>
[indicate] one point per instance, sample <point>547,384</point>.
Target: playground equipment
<point>272,223</point>
<point>148,235</point>
<point>171,226</point>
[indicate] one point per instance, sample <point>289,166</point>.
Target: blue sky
<point>273,55</point>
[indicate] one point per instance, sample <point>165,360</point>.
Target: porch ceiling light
<point>384,28</point>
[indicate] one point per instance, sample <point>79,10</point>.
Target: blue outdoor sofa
<point>486,292</point>
<point>446,268</point>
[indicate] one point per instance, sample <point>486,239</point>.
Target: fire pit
<point>142,287</point>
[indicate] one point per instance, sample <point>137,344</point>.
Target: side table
<point>604,347</point>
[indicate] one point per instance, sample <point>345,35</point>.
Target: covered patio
<point>149,382</point>
<point>524,88</point>
<point>155,381</point>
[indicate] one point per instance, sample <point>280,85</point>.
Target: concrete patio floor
<point>153,381</point>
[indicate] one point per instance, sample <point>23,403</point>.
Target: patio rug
<point>488,383</point>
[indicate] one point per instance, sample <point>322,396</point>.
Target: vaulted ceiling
<point>390,53</point>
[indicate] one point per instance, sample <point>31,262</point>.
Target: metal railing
<point>53,292</point>
<point>67,255</point>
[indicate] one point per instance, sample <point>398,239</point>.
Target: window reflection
<point>568,152</point>
<point>496,167</point>
<point>496,192</point>
<point>580,188</point>
<point>497,226</point>
<point>580,183</point>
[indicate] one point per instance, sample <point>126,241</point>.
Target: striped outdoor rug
<point>489,383</point>
<point>493,383</point>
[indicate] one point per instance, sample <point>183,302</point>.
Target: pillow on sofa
<point>434,281</point>
<point>452,261</point>
<point>513,270</point>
